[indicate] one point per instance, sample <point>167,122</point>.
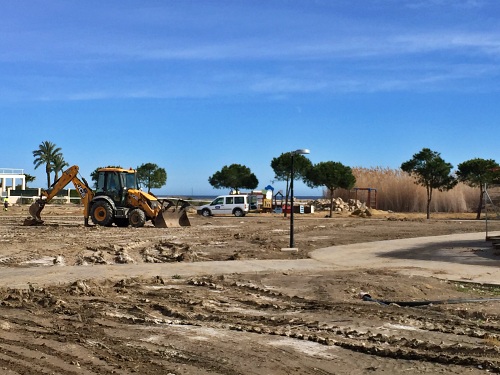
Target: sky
<point>194,85</point>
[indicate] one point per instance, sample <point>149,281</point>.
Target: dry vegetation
<point>397,191</point>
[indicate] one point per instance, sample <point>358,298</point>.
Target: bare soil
<point>259,323</point>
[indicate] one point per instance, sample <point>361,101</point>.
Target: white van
<point>236,205</point>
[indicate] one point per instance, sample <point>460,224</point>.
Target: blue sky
<point>193,85</point>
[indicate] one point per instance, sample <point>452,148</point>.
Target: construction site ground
<point>222,297</point>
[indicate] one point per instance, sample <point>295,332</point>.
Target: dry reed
<point>397,191</point>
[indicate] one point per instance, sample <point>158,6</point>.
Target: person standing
<point>5,204</point>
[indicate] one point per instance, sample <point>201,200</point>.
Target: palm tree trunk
<point>47,170</point>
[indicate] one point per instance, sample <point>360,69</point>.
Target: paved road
<point>466,257</point>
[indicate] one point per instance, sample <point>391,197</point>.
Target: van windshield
<point>217,201</point>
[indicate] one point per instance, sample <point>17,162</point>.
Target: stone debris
<point>166,251</point>
<point>79,287</point>
<point>59,260</point>
<point>89,257</point>
<point>339,205</point>
<point>122,257</point>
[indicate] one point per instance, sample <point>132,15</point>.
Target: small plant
<point>176,277</point>
<point>492,341</point>
<point>25,200</point>
<point>479,289</point>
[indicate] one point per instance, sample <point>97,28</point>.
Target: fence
<point>11,171</point>
<point>491,204</point>
<point>28,196</point>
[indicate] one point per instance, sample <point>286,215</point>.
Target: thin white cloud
<point>251,50</point>
<point>295,53</point>
<point>464,43</point>
<point>466,4</point>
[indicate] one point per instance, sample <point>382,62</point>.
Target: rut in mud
<point>247,324</point>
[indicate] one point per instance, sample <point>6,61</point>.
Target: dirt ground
<point>258,323</point>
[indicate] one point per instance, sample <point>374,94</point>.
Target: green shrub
<point>25,200</point>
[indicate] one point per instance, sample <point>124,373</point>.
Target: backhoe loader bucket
<point>173,214</point>
<point>35,210</point>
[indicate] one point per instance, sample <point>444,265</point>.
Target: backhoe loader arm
<point>69,175</point>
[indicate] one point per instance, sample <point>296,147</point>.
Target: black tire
<point>205,212</point>
<point>101,213</point>
<point>137,218</point>
<point>122,222</point>
<point>238,212</point>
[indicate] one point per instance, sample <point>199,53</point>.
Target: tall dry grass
<point>397,191</point>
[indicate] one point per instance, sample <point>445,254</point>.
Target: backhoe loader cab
<point>115,183</point>
<point>110,177</point>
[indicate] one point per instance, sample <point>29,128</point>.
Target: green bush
<point>58,200</point>
<point>25,200</point>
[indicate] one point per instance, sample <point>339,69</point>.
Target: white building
<point>11,175</point>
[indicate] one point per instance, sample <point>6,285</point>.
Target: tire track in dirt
<point>256,323</point>
<point>147,326</point>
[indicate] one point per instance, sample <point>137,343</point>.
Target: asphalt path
<point>464,257</point>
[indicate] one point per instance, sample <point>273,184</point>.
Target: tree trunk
<point>480,205</point>
<point>429,198</point>
<point>331,203</point>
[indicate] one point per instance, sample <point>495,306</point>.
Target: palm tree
<point>58,164</point>
<point>46,153</point>
<point>28,178</point>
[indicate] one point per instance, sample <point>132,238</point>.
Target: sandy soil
<point>260,323</point>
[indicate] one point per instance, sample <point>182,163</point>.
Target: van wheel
<point>238,212</point>
<point>205,212</point>
<point>137,218</point>
<point>101,213</point>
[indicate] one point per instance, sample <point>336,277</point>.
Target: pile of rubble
<point>354,206</point>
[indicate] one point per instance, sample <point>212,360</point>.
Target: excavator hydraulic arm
<point>69,175</point>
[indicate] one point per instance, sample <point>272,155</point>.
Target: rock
<point>59,260</point>
<point>362,211</point>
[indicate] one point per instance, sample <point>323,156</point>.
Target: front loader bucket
<point>173,215</point>
<point>35,210</point>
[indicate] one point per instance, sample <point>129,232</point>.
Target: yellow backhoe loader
<point>116,200</point>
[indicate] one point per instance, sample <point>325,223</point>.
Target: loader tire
<point>137,218</point>
<point>102,213</point>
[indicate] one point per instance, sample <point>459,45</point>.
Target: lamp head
<point>301,151</point>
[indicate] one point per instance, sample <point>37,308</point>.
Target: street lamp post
<point>296,152</point>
